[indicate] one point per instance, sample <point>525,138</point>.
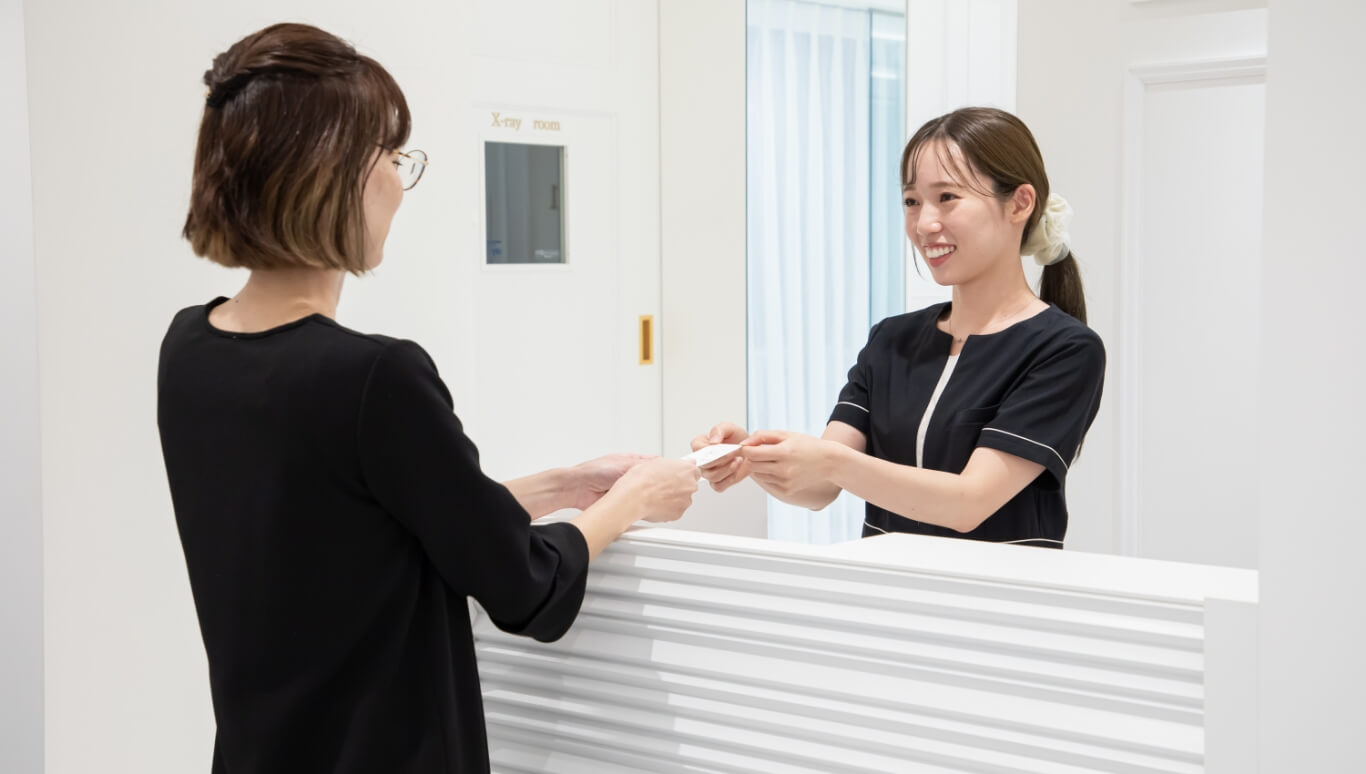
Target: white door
<point>1190,289</point>
<point>562,368</point>
<point>1150,116</point>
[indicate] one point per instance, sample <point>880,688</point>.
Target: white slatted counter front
<point>706,653</point>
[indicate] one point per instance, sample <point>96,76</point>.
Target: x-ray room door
<point>565,120</point>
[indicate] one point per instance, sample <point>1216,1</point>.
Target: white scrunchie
<point>1049,241</point>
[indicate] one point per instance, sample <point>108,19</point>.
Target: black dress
<point>334,520</point>
<point>1031,390</point>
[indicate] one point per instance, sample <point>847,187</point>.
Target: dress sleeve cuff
<point>851,414</point>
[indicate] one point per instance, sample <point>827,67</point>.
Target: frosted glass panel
<point>524,203</point>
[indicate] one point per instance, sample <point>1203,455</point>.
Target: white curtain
<point>808,228</point>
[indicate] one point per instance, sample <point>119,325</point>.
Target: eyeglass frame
<point>420,163</point>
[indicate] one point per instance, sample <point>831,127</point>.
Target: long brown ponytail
<point>1061,287</point>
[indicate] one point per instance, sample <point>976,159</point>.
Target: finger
<point>701,441</point>
<point>721,486</point>
<point>722,479</point>
<point>714,472</point>
<point>764,438</point>
<point>723,482</point>
<point>762,454</point>
<point>738,472</point>
<point>729,432</point>
<point>720,462</point>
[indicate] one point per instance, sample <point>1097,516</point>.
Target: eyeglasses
<point>410,165</point>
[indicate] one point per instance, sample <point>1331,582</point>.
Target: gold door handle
<point>647,335</point>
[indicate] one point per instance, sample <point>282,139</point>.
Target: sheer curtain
<point>814,200</point>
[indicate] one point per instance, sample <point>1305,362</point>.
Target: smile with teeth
<point>938,251</point>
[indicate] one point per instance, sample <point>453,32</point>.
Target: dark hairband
<point>226,90</point>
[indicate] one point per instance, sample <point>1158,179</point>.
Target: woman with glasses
<point>331,509</point>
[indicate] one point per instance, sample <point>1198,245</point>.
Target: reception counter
<point>707,653</point>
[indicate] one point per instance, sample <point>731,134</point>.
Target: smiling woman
<point>961,419</point>
<point>992,154</point>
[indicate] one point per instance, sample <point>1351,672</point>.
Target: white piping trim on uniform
<point>929,410</point>
<point>855,405</point>
<point>1065,466</point>
<point>998,542</point>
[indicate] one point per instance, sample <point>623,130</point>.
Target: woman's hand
<point>727,471</point>
<point>787,463</point>
<point>589,481</point>
<point>657,490</point>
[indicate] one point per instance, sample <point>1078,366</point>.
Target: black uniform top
<point>334,518</point>
<point>1030,390</point>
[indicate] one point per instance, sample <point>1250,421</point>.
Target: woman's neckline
<point>946,308</point>
<point>217,331</point>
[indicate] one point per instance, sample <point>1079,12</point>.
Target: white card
<point>709,454</point>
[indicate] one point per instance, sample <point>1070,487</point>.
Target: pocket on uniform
<point>964,430</point>
<point>976,416</point>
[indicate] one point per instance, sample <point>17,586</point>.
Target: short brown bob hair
<point>292,121</point>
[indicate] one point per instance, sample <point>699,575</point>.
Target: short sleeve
<point>1045,416</point>
<point>854,404</point>
<point>424,471</point>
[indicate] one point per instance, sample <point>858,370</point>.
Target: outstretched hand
<point>590,480</point>
<point>785,463</point>
<point>659,489</point>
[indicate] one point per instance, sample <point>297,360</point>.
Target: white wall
<point>1068,59</point>
<point>1313,378</point>
<point>1309,512</point>
<point>1140,483</point>
<point>21,526</point>
<point>702,178</point>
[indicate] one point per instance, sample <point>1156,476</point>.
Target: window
<point>826,252</point>
<point>523,198</point>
